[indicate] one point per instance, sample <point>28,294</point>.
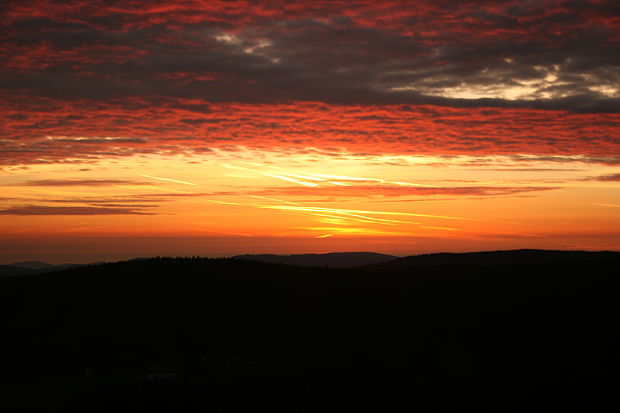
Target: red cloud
<point>46,130</point>
<point>85,80</point>
<point>43,55</point>
<point>461,17</point>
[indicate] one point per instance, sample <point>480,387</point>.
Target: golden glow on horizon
<point>419,201</point>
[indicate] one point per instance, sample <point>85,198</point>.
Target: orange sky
<point>249,201</point>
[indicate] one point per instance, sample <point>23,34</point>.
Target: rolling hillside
<point>493,333</point>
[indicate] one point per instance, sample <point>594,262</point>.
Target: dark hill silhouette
<point>333,260</point>
<point>228,335</point>
<point>493,258</point>
<point>33,265</point>
<point>11,270</point>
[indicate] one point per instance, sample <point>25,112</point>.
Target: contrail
<point>286,178</point>
<point>275,199</point>
<point>353,212</point>
<point>168,179</point>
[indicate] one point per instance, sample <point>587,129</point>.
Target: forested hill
<point>490,259</point>
<point>333,259</point>
<point>168,334</point>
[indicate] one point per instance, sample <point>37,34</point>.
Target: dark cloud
<point>181,195</point>
<point>612,177</point>
<point>121,205</point>
<point>69,210</point>
<point>123,201</point>
<point>359,52</point>
<point>531,169</point>
<point>80,182</point>
<point>606,160</point>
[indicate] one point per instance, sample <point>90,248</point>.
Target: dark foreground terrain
<point>500,331</point>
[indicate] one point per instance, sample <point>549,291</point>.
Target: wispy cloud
<point>169,180</point>
<point>611,177</point>
<point>70,210</point>
<point>354,211</point>
<point>290,179</point>
<point>80,182</point>
<point>276,200</point>
<point>608,205</point>
<point>364,191</point>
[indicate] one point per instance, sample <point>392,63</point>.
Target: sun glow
<point>467,202</point>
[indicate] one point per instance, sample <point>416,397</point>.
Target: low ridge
<point>333,259</point>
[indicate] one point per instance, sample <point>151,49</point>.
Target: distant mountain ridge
<point>371,260</point>
<point>492,258</point>
<point>12,270</point>
<point>332,259</point>
<point>32,267</point>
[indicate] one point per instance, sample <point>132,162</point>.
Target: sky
<point>185,127</point>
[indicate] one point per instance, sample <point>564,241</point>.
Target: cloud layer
<point>69,210</point>
<point>86,79</point>
<point>346,52</point>
<point>80,182</point>
<point>51,131</point>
